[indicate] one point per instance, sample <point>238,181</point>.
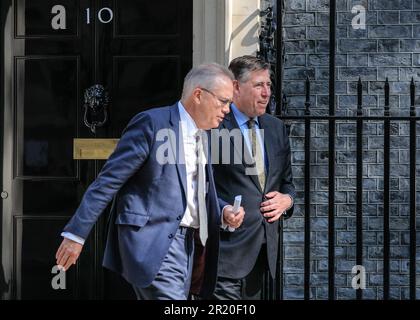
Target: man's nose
<point>266,91</point>
<point>226,108</point>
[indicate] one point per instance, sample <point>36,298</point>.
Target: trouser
<point>248,288</point>
<point>174,277</point>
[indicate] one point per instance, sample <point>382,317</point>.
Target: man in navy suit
<point>263,178</point>
<point>163,193</point>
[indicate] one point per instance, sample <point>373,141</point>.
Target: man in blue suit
<point>163,193</point>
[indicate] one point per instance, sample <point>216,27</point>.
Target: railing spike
<point>386,97</point>
<point>359,96</point>
<point>412,92</point>
<point>308,95</point>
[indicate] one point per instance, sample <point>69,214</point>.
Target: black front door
<point>54,50</point>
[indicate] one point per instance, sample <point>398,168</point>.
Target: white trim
<point>209,31</point>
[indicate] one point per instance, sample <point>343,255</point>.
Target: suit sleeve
<point>223,226</point>
<point>131,152</point>
<point>286,184</point>
<point>222,204</point>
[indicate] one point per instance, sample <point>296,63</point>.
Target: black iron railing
<point>412,118</point>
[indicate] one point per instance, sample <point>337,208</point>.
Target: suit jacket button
<point>178,218</point>
<point>171,236</point>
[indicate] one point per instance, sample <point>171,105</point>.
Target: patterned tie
<point>201,188</point>
<point>257,152</point>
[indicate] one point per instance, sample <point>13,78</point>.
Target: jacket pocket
<point>138,220</point>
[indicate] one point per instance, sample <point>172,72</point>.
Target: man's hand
<point>275,205</point>
<point>233,220</point>
<point>68,253</point>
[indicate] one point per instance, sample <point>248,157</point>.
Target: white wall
<point>244,27</point>
<point>224,29</point>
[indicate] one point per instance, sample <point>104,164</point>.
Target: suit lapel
<point>180,158</point>
<point>269,141</point>
<point>230,124</point>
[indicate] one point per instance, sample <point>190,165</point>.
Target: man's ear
<point>236,88</point>
<point>196,94</point>
<point>235,85</point>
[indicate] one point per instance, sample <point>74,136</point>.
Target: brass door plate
<point>93,149</point>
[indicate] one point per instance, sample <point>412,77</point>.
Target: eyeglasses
<point>222,101</point>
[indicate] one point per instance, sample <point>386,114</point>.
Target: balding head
<point>205,76</point>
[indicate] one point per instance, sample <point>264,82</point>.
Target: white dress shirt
<point>242,120</point>
<point>189,131</point>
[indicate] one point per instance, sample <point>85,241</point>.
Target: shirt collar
<point>240,117</point>
<point>187,122</point>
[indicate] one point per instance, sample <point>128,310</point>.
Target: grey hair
<point>241,67</point>
<point>204,76</point>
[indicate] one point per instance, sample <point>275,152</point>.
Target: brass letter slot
<point>93,149</point>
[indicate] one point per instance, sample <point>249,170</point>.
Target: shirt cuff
<point>73,237</point>
<point>291,205</point>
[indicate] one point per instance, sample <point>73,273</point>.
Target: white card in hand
<point>235,208</point>
<point>237,204</point>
